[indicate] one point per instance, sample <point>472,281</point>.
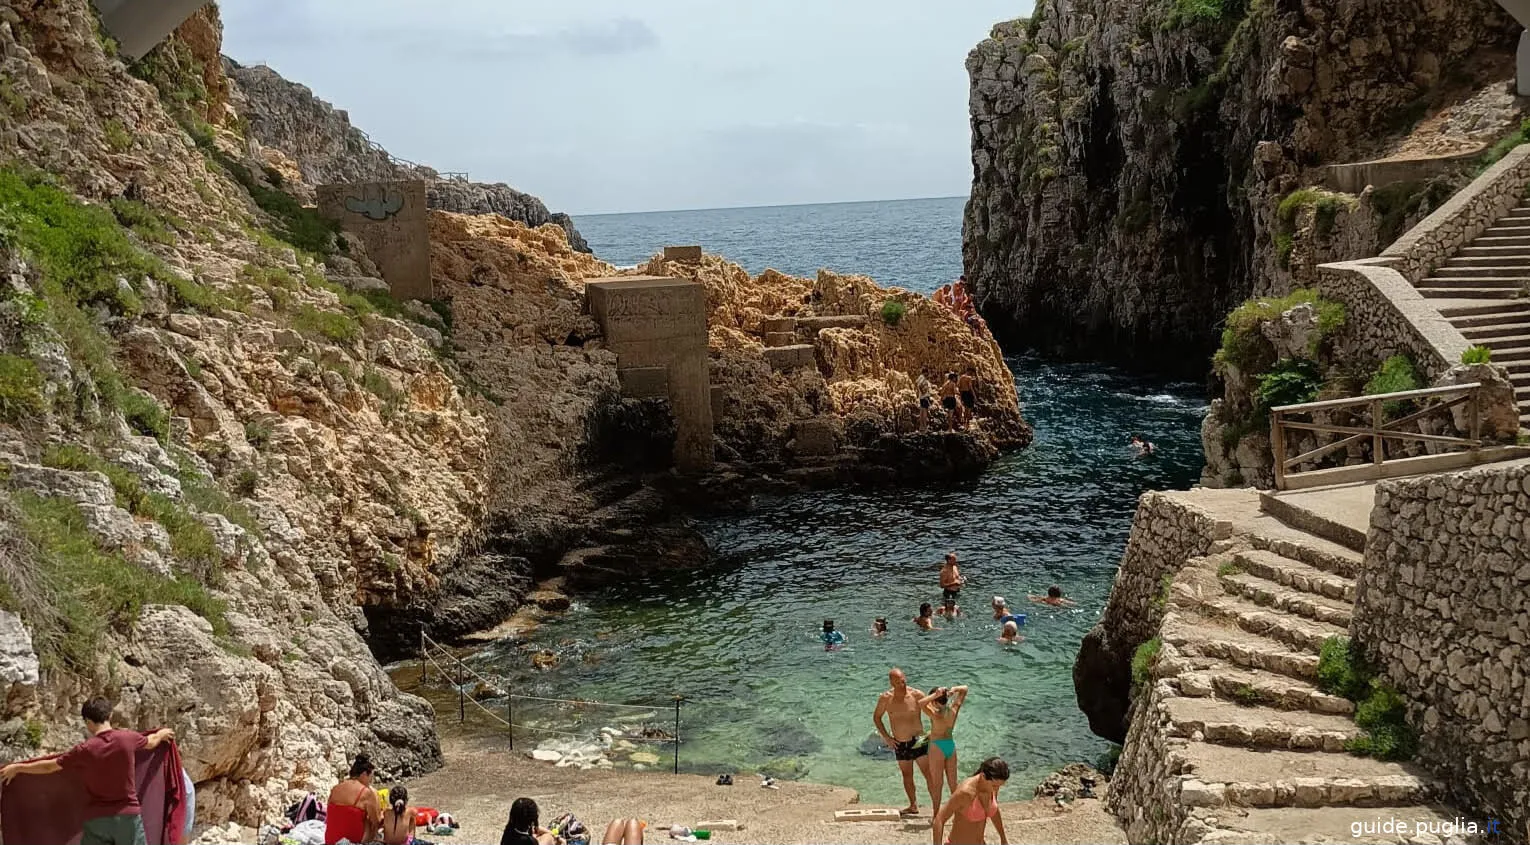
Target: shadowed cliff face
<point>1128,157</point>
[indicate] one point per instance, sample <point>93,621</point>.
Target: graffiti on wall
<point>375,203</point>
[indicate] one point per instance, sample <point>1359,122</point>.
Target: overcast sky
<point>611,105</point>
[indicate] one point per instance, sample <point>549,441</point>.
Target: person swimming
<point>1000,607</point>
<point>879,627</point>
<point>832,639</point>
<point>1053,597</point>
<point>1142,446</point>
<point>926,618</point>
<point>949,609</point>
<point>1011,632</point>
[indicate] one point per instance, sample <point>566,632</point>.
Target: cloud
<point>615,37</point>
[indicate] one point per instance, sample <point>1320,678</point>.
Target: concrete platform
<point>1341,514</point>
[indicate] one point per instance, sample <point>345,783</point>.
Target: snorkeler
<point>942,705</point>
<point>926,618</point>
<point>879,627</point>
<point>832,639</point>
<point>1053,597</point>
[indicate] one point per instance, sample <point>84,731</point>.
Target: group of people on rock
<point>958,396</point>
<point>958,299</point>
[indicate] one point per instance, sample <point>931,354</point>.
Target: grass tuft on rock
<point>1245,346</point>
<point>893,311</point>
<point>1144,659</point>
<point>1379,709</point>
<point>21,389</point>
<point>1476,354</point>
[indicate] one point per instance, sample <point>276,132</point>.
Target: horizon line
<point>766,205</point>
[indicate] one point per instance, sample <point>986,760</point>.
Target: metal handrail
<point>1378,432</point>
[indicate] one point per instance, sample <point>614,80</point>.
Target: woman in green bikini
<point>942,705</point>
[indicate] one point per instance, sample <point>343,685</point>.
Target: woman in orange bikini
<point>353,812</point>
<point>970,807</point>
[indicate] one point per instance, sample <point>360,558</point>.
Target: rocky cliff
<point>1129,158</point>
<point>313,140</point>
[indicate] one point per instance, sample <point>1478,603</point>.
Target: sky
<point>608,106</point>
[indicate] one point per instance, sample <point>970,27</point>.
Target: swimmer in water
<point>1000,607</point>
<point>926,618</point>
<point>879,627</point>
<point>1054,597</point>
<point>949,610</point>
<point>832,639</point>
<point>1142,446</point>
<point>1011,633</point>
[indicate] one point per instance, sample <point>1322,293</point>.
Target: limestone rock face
<point>1129,160</point>
<point>323,147</point>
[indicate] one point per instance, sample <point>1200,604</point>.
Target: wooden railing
<point>1379,432</point>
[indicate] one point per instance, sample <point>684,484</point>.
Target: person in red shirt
<point>105,766</point>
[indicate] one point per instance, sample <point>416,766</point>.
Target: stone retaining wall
<point>1461,219</point>
<point>1385,315</point>
<point>1145,791</point>
<point>1444,610</point>
<point>1168,530</point>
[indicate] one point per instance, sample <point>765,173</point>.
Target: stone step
<point>1498,269</point>
<point>776,340</point>
<point>1300,632</point>
<point>1242,685</point>
<point>1294,544</point>
<point>845,321</point>
<point>1504,240</point>
<point>1495,251</point>
<point>1272,595</point>
<point>1198,635</point>
<point>1295,574</point>
<point>1510,342</point>
<point>797,356</point>
<point>1519,372</point>
<point>778,324</point>
<point>1468,308</point>
<point>1500,279</point>
<point>1221,775</point>
<point>1236,825</point>
<point>1504,330</point>
<point>1429,290</point>
<point>1226,723</point>
<point>1491,318</point>
<point>1507,229</point>
<point>1299,515</point>
<point>1505,356</point>
<point>1503,256</point>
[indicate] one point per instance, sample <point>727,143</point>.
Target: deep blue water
<point>739,639</point>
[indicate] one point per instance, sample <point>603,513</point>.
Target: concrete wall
<point>391,218</point>
<point>659,324</point>
<point>139,25</point>
<point>1353,178</point>
<point>1444,609</point>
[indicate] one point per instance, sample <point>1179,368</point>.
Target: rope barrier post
<point>461,695</point>
<point>510,718</point>
<point>424,661</point>
<point>678,699</point>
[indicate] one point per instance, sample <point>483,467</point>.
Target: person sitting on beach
<point>967,387</point>
<point>949,609</point>
<point>398,820</point>
<point>832,639</point>
<point>1053,597</point>
<point>879,627</point>
<point>523,827</point>
<point>948,400</point>
<point>354,810</point>
<point>971,805</point>
<point>926,393</point>
<point>1011,633</point>
<point>942,705</point>
<point>1142,447</point>
<point>951,578</point>
<point>624,832</point>
<point>926,617</point>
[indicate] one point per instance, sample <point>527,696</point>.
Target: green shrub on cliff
<point>1245,346</point>
<point>1379,709</point>
<point>21,387</point>
<point>893,311</point>
<point>1396,374</point>
<point>1506,145</point>
<point>1476,354</point>
<point>1291,381</point>
<point>1144,659</point>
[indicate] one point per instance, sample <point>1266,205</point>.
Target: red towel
<point>49,809</point>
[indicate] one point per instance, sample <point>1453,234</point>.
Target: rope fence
<point>459,673</point>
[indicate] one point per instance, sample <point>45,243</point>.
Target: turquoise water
<point>739,638</point>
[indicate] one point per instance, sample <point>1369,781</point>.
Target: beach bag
<point>570,829</point>
<point>425,816</point>
<point>307,809</point>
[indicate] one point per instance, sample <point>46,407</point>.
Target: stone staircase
<point>1235,741</point>
<point>789,340</point>
<point>1484,291</point>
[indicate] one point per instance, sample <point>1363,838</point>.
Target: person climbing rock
<point>926,392</point>
<point>967,387</point>
<point>948,394</point>
<point>904,733</point>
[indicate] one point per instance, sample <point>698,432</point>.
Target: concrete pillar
<point>139,25</point>
<point>691,398</point>
<point>1522,71</point>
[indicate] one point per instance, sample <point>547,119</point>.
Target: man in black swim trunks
<point>967,386</point>
<point>907,739</point>
<point>951,579</point>
<point>948,392</point>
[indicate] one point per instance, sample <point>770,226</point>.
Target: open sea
<point>740,639</point>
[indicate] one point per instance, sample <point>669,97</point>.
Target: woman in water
<point>398,821</point>
<point>1011,633</point>
<point>832,639</point>
<point>971,805</point>
<point>943,704</point>
<point>926,618</point>
<point>879,627</point>
<point>354,810</point>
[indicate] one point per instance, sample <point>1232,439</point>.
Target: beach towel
<point>49,809</point>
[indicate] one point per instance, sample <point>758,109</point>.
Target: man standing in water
<point>951,579</point>
<point>900,705</point>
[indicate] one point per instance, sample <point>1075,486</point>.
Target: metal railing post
<point>678,699</point>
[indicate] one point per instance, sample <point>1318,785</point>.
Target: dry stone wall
<point>1464,217</point>
<point>1168,530</point>
<point>1385,316</point>
<point>1443,609</point>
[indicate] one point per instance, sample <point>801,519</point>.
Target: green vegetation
<point>893,311</point>
<point>1230,567</point>
<point>1285,245</point>
<point>1143,660</point>
<point>1247,696</point>
<point>1191,12</point>
<point>11,100</point>
<point>1326,207</point>
<point>1506,145</point>
<point>1395,375</point>
<point>21,388</point>
<point>79,591</point>
<point>1291,381</point>
<point>1106,765</point>
<point>1476,354</point>
<point>1396,203</point>
<point>203,493</point>
<point>298,226</point>
<point>146,223</point>
<point>1245,347</point>
<point>33,731</point>
<point>341,328</point>
<point>1161,598</point>
<point>257,433</point>
<point>246,482</point>
<point>378,385</point>
<point>1379,710</point>
<point>117,136</point>
<point>144,414</point>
